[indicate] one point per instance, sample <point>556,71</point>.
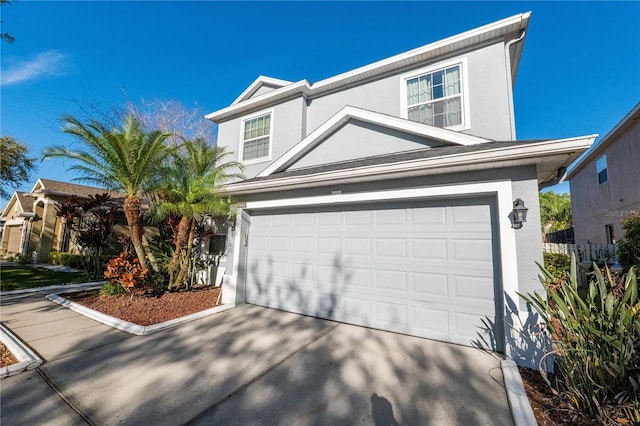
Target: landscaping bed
<point>6,357</point>
<point>549,409</point>
<point>148,309</point>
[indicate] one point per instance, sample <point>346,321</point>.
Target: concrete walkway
<point>248,365</point>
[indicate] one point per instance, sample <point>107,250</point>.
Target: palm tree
<point>121,159</point>
<point>189,190</point>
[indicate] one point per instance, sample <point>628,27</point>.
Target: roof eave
<point>513,25</point>
<point>558,151</point>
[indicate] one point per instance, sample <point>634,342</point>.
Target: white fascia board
<point>522,19</point>
<point>261,80</point>
<point>526,154</point>
<point>445,46</point>
<point>578,164</point>
<point>302,87</point>
<point>352,113</point>
<point>5,211</point>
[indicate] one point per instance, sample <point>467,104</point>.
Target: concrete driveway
<point>248,365</point>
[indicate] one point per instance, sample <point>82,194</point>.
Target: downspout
<point>507,46</point>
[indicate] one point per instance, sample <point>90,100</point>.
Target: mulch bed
<point>548,408</point>
<point>148,309</point>
<point>6,357</point>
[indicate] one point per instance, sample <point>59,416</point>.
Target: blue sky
<point>580,70</point>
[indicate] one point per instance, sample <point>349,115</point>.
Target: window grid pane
<point>436,98</point>
<point>256,137</point>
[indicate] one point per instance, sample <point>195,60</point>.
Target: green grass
<point>22,277</point>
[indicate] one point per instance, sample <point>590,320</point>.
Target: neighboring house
<point>383,196</point>
<point>32,224</point>
<point>605,183</point>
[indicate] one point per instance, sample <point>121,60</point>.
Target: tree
<point>555,212</point>
<point>15,165</point>
<point>6,36</point>
<point>121,159</point>
<point>629,245</point>
<point>89,223</point>
<point>189,190</point>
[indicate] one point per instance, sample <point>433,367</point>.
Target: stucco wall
<point>287,129</point>
<point>358,139</point>
<point>488,94</point>
<point>596,205</point>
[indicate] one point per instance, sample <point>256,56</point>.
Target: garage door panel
<point>390,218</point>
<point>473,287</point>
<point>429,248</point>
<point>430,284</point>
<point>428,216</point>
<point>468,250</point>
<point>391,247</point>
<point>393,280</point>
<point>426,271</point>
<point>357,247</point>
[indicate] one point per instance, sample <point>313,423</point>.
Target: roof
<point>547,155</point>
<point>23,201</point>
<point>54,187</point>
<point>513,27</point>
<point>598,148</point>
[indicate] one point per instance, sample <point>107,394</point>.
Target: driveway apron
<point>248,365</point>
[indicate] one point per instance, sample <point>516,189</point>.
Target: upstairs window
<point>601,169</point>
<point>435,98</point>
<point>256,138</point>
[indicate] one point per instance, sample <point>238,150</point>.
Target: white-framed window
<point>601,169</point>
<point>436,96</point>
<point>256,138</point>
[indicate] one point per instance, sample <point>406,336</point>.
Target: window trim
<point>243,120</point>
<point>605,169</point>
<point>464,89</point>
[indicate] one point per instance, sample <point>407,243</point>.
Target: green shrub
<point>596,341</point>
<point>111,288</point>
<point>67,259</point>
<point>557,264</point>
<point>629,245</point>
<point>24,259</point>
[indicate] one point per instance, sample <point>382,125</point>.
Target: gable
<point>261,86</point>
<point>385,127</point>
<point>359,139</point>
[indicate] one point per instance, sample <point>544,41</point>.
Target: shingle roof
<point>441,151</point>
<point>74,188</point>
<point>25,201</point>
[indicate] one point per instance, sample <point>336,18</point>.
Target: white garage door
<point>425,269</point>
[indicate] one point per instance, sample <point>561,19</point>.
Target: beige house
<point>605,183</point>
<point>30,220</point>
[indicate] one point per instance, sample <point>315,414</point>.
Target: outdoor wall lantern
<point>519,213</point>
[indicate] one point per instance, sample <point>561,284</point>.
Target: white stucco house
<point>384,196</point>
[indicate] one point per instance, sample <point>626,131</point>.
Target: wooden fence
<point>586,252</point>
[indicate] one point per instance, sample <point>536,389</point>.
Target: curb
<point>27,359</point>
<point>521,410</point>
<point>52,288</point>
<point>129,327</point>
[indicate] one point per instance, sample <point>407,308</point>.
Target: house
<point>605,183</point>
<point>32,224</point>
<point>384,196</point>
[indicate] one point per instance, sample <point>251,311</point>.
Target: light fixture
<point>519,213</point>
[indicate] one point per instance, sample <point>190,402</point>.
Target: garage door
<point>425,269</point>
<point>13,234</point>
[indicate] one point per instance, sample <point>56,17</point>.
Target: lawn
<point>21,277</point>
